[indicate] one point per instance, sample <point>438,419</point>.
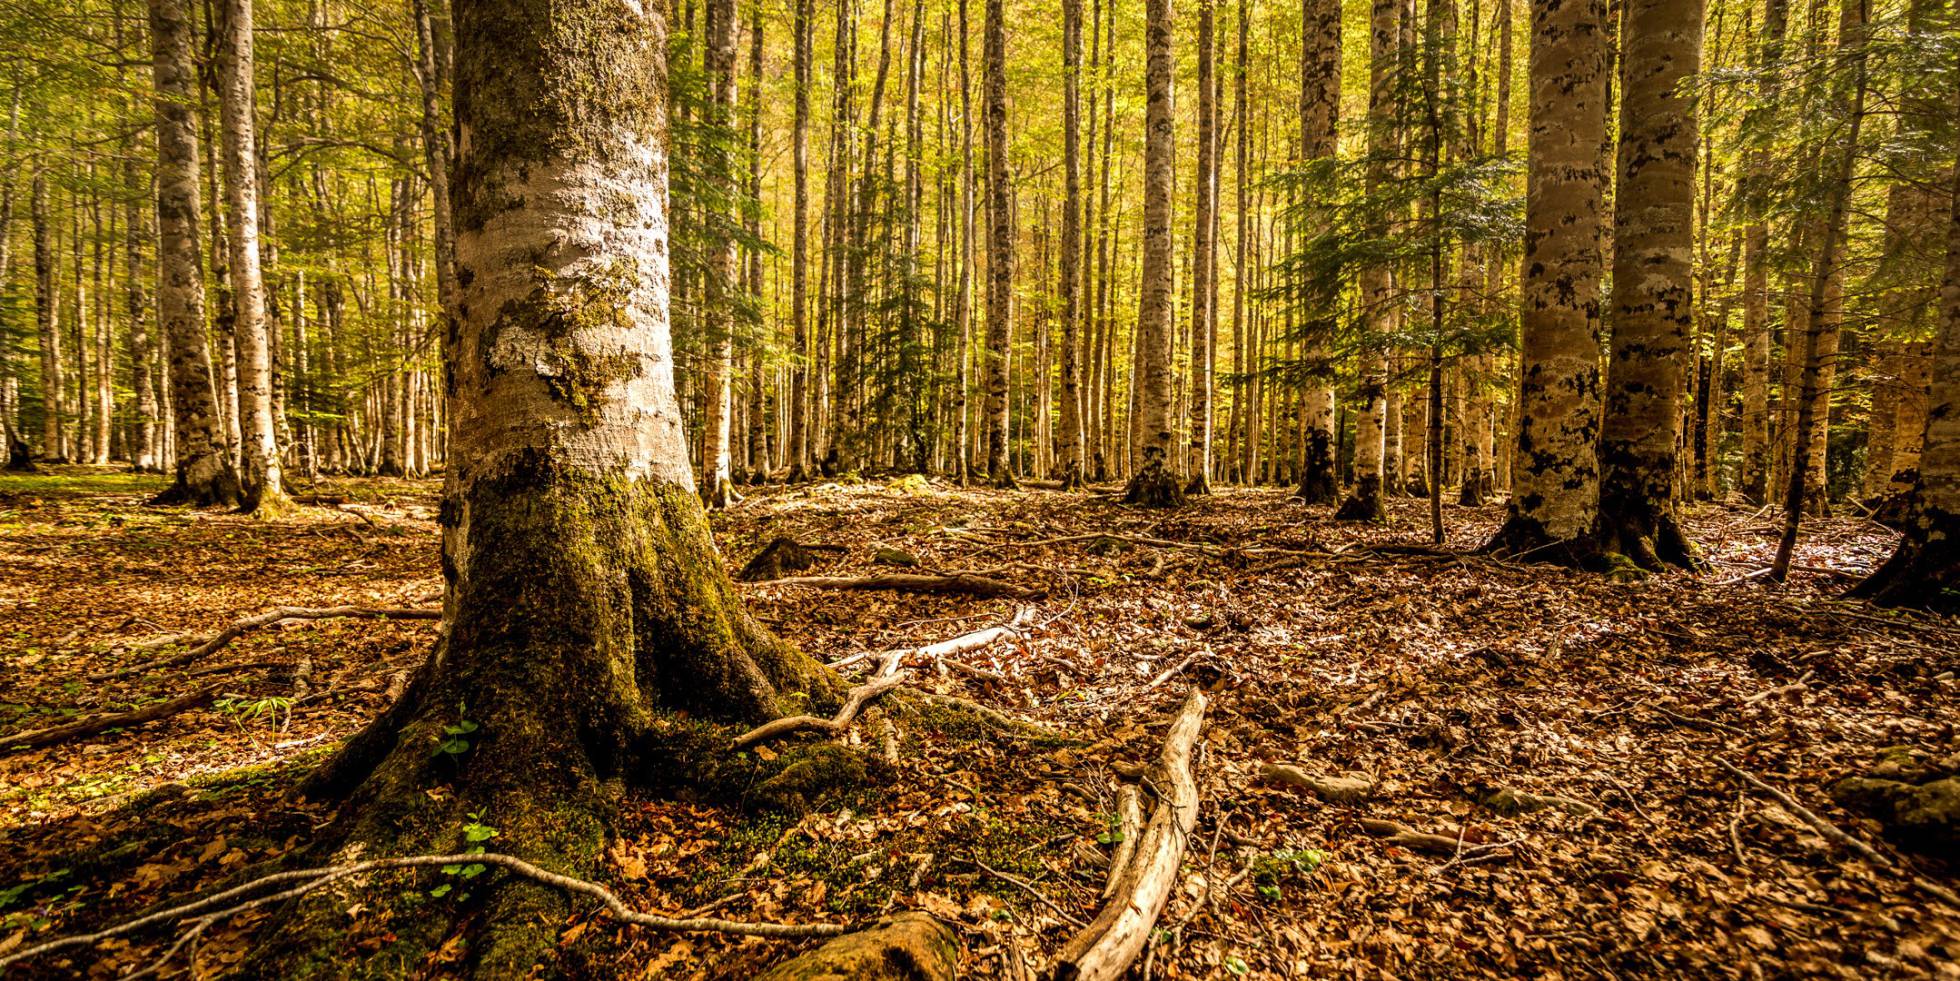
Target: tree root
<point>299,882</point>
<point>1104,950</point>
<point>277,614</point>
<point>101,723</point>
<point>853,703</point>
<point>906,947</point>
<point>969,583</point>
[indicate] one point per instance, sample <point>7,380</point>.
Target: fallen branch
<point>1104,950</point>
<point>853,703</point>
<point>1338,789</point>
<point>916,582</point>
<point>958,645</point>
<point>1129,824</point>
<point>113,720</point>
<point>1397,833</point>
<point>312,879</point>
<point>1841,836</point>
<point>277,614</point>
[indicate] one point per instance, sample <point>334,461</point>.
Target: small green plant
<point>454,740</point>
<point>1272,873</point>
<point>475,833</point>
<point>1112,832</point>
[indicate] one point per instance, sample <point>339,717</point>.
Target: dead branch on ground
<point>277,614</point>
<point>970,583</point>
<point>1105,950</point>
<point>112,720</point>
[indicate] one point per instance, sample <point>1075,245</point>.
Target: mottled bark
<point>1068,443</point>
<point>1204,257</point>
<point>1554,507</point>
<point>264,492</point>
<point>1653,285</point>
<point>1000,247</point>
<point>204,474</point>
<point>584,597</point>
<point>718,322</point>
<point>53,408</point>
<point>1372,466</point>
<point>1925,570</point>
<point>1756,341</point>
<point>1155,483</point>
<point>799,292</point>
<point>136,304</point>
<point>432,79</point>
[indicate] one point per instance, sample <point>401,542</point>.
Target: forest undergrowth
<point>1515,770</point>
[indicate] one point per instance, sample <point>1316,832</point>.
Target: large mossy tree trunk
<point>1554,509</point>
<point>204,474</point>
<point>1653,286</point>
<point>1155,483</point>
<point>584,595</point>
<point>1925,570</point>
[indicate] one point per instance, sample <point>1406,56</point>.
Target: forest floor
<point>1447,685</point>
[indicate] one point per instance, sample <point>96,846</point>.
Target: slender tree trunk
<point>1000,248</point>
<point>799,291</point>
<point>584,598</point>
<point>1554,509</point>
<point>264,493</point>
<point>1156,483</point>
<point>204,474</point>
<point>717,485</point>
<point>1069,443</point>
<point>1204,259</point>
<point>1653,285</point>
<point>52,433</point>
<point>1820,336</point>
<point>433,80</point>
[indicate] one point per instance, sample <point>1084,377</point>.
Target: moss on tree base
<point>1924,571</point>
<point>1365,503</point>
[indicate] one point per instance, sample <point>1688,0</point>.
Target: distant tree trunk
<point>264,492</point>
<point>1756,340</point>
<point>142,341</point>
<point>717,485</point>
<point>1806,490</point>
<point>1155,483</point>
<point>1554,510</point>
<point>963,290</point>
<point>1069,443</point>
<point>1925,570</point>
<point>799,291</point>
<point>1204,259</point>
<point>1653,285</point>
<point>204,474</point>
<point>1371,437</point>
<point>52,433</point>
<point>432,78</point>
<point>758,451</point>
<point>584,595</point>
<point>1320,112</point>
<point>1000,248</point>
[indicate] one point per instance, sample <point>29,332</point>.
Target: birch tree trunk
<point>1204,259</point>
<point>1320,112</point>
<point>1756,340</point>
<point>1069,443</point>
<point>1155,483</point>
<point>584,598</point>
<point>1653,285</point>
<point>799,291</point>
<point>717,484</point>
<point>1554,509</point>
<point>53,434</point>
<point>1000,248</point>
<point>1372,422</point>
<point>204,475</point>
<point>263,491</point>
<point>1925,569</point>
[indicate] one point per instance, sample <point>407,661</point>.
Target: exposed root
<point>102,723</point>
<point>969,583</point>
<point>277,614</point>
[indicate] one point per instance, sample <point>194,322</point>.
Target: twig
<point>915,582</point>
<point>316,878</point>
<point>1028,887</point>
<point>113,720</point>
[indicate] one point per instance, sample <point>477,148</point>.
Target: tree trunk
<point>1069,442</point>
<point>204,474</point>
<point>1371,439</point>
<point>263,491</point>
<point>717,485</point>
<point>799,291</point>
<point>52,433</point>
<point>1320,111</point>
<point>1553,515</point>
<point>1155,483</point>
<point>1653,285</point>
<point>433,80</point>
<point>1925,570</point>
<point>1204,259</point>
<point>584,599</point>
<point>1000,246</point>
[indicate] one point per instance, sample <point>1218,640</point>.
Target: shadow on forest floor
<point>1461,691</point>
